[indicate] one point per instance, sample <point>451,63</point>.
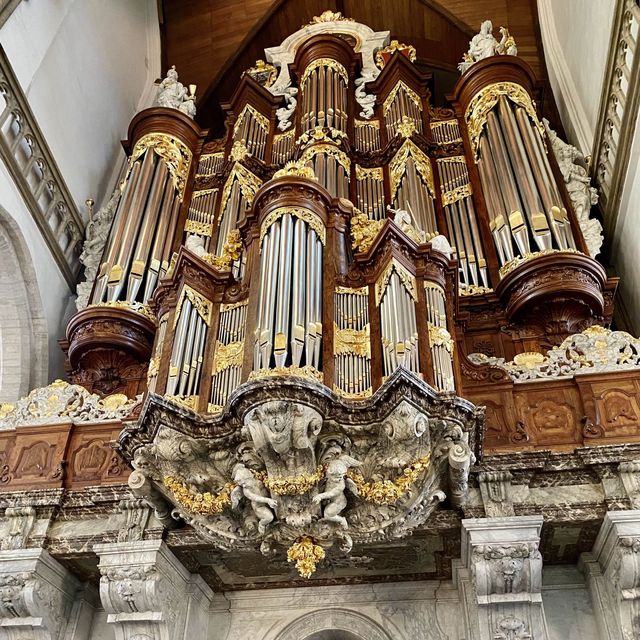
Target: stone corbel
<point>500,578</point>
<point>630,476</point>
<point>36,595</point>
<point>143,489</point>
<point>147,592</point>
<point>612,570</point>
<point>495,488</point>
<point>136,515</point>
<point>21,521</point>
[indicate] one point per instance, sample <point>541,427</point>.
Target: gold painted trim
<point>324,62</point>
<point>306,215</point>
<point>408,280</point>
<point>412,95</point>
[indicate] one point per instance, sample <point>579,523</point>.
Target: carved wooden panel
<point>550,416</point>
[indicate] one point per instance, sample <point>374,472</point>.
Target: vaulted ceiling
<point>212,41</point>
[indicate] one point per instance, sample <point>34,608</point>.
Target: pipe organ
<point>342,229</point>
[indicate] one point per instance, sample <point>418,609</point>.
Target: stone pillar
<point>612,571</point>
<point>147,593</point>
<point>36,597</point>
<point>500,579</point>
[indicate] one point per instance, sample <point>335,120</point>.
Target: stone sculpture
<point>484,45</point>
<point>172,94</point>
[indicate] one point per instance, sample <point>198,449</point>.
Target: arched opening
<point>333,624</point>
<point>23,335</point>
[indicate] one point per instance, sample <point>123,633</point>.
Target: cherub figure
<point>253,490</point>
<point>336,484</point>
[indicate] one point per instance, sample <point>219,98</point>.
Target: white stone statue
<point>253,490</point>
<point>440,243</point>
<point>172,94</point>
<point>583,195</point>
<point>96,235</point>
<point>195,244</point>
<point>284,113</point>
<point>336,484</point>
<point>484,45</point>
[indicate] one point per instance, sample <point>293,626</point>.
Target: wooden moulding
<point>60,455</point>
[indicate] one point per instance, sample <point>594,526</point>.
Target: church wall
<point>49,282</point>
<point>574,31</point>
<point>86,67</point>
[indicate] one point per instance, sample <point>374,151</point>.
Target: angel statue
<point>253,490</point>
<point>335,485</point>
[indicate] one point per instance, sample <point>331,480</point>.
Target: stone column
<point>612,571</point>
<point>500,579</point>
<point>147,593</point>
<point>36,596</point>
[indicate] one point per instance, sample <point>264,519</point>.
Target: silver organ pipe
<point>445,131</point>
<point>200,219</point>
<point>324,95</point>
<point>526,210</point>
<point>461,221</point>
<point>331,166</point>
<point>412,187</point>
<point>227,359</point>
<point>370,192</point>
<point>367,135</point>
<point>283,147</point>
<point>210,164</point>
<point>145,222</point>
<point>396,296</point>
<point>440,340</point>
<point>352,342</point>
<point>289,326</point>
<point>252,129</point>
<point>192,320</point>
<point>401,105</point>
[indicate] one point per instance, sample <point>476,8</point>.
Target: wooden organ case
<point>344,231</point>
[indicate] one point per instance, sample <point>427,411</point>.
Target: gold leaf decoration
<point>204,504</point>
<point>291,485</point>
<point>306,554</point>
<point>364,231</point>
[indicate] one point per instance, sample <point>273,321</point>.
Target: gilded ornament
<point>328,16</point>
<point>354,341</point>
<point>398,166</point>
<point>5,409</point>
<point>199,228</point>
<point>233,305</point>
<point>306,215</point>
<point>528,359</point>
<point>231,251</point>
<point>407,127</point>
<point>188,402</point>
<point>114,401</point>
<point>329,63</point>
<point>263,73</point>
<point>440,336</point>
<point>407,279</point>
<point>375,124</point>
<point>330,150</point>
<point>347,395</point>
<point>299,372</point>
<point>450,197</point>
<point>474,290</point>
<point>200,303</point>
<point>204,504</point>
<point>364,231</point>
<point>138,307</point>
<point>214,408</point>
<point>249,184</point>
<point>401,86</point>
<point>291,485</point>
<point>394,46</point>
<point>306,554</point>
<point>227,355</point>
<point>173,151</point>
<point>239,151</point>
<point>486,99</point>
<point>321,134</point>
<point>508,267</point>
<point>447,124</point>
<point>296,168</point>
<point>360,291</point>
<point>385,492</point>
<point>362,173</point>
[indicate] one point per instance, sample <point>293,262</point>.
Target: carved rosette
<point>275,473</point>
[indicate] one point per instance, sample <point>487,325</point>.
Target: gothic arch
<point>24,357</point>
<point>310,625</point>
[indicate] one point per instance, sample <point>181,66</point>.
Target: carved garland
<point>291,485</point>
<point>329,150</point>
<point>201,503</point>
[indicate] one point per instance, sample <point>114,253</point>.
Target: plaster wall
<point>576,34</point>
